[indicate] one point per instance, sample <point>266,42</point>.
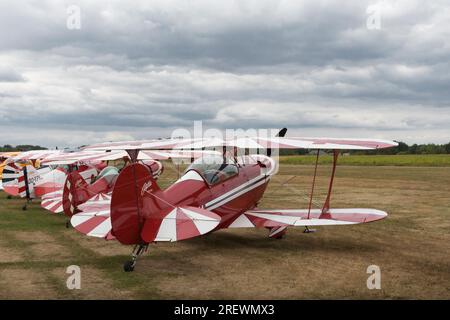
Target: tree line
<point>402,148</point>
<point>20,147</point>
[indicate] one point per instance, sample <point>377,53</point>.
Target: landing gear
<point>9,197</point>
<point>67,224</point>
<point>128,266</point>
<point>308,230</point>
<point>25,206</point>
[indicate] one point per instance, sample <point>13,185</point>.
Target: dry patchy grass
<point>412,248</point>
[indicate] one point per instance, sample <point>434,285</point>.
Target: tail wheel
<point>128,266</point>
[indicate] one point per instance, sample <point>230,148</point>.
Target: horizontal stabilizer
<point>53,201</point>
<point>94,220</point>
<point>178,224</point>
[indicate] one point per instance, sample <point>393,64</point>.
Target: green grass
<point>434,160</point>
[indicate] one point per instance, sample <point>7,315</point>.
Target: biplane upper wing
<point>305,217</point>
<point>96,155</point>
<point>33,155</point>
<point>156,144</point>
<point>293,143</point>
<point>251,143</point>
<point>83,156</point>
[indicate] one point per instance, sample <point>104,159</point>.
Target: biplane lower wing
<point>306,218</point>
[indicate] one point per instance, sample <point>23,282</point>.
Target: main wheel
<point>128,266</point>
<point>24,208</point>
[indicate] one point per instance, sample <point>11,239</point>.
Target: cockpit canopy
<point>214,169</point>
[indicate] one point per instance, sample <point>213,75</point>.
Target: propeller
<point>280,134</point>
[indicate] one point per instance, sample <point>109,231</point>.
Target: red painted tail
<point>75,193</point>
<point>135,197</point>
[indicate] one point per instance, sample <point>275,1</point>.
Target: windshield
<point>109,172</point>
<point>214,169</point>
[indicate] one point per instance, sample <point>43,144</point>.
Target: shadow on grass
<point>228,246</point>
<point>292,243</point>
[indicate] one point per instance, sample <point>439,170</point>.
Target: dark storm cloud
<point>135,70</point>
<point>200,33</point>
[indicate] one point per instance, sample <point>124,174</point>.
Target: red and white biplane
<point>215,192</point>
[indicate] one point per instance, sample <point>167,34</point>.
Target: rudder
<point>133,199</point>
<point>75,192</point>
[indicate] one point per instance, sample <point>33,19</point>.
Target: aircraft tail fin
<point>9,178</point>
<point>75,192</point>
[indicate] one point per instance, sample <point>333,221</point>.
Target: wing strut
<point>313,183</point>
<point>326,206</point>
<point>133,154</point>
<point>27,186</point>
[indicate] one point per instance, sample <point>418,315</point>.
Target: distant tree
<point>402,147</point>
<point>28,147</point>
<point>447,148</point>
<point>413,149</point>
<point>293,152</point>
<point>10,148</point>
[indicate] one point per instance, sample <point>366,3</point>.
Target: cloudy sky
<point>140,69</point>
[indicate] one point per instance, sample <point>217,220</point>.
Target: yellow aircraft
<point>3,157</point>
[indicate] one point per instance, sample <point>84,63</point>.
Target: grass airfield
<point>412,247</point>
